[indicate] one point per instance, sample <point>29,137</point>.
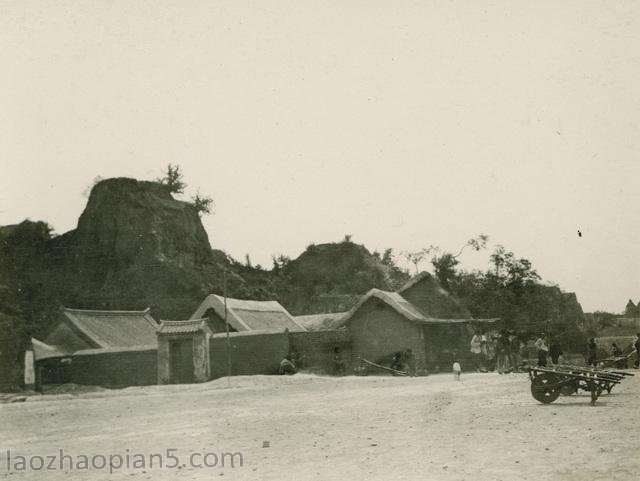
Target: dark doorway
<point>181,358</point>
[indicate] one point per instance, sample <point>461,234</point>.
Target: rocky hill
<point>136,246</point>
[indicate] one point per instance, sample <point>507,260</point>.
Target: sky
<point>402,123</point>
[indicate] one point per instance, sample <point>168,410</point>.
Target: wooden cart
<point>547,383</point>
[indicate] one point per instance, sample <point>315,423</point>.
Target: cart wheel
<point>568,389</point>
<point>540,389</point>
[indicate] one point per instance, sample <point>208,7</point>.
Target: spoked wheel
<point>544,388</point>
<point>568,389</point>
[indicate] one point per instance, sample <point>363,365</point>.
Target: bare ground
<point>486,427</point>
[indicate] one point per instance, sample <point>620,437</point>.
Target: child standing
<point>456,370</point>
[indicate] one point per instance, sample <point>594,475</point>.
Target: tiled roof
<point>183,327</point>
<point>245,315</point>
<point>114,328</point>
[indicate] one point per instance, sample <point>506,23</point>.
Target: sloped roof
<point>115,350</point>
<point>393,300</point>
<point>114,328</point>
<point>244,315</point>
<point>183,327</point>
<point>222,335</point>
<point>42,350</point>
<point>405,309</point>
<point>413,281</point>
<point>321,322</point>
<point>426,294</point>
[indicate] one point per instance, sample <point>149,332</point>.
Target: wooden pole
<point>226,324</point>
<point>395,371</point>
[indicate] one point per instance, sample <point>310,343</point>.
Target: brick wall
<point>378,331</point>
<point>317,348</point>
<point>108,369</point>
<point>250,353</point>
<point>445,343</point>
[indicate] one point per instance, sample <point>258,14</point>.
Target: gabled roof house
<point>81,329</point>
<point>243,315</point>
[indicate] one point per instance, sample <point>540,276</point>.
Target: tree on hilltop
<point>202,204</point>
<point>173,179</point>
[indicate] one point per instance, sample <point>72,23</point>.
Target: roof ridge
<point>106,311</point>
<point>414,280</point>
<point>389,298</point>
<point>243,300</point>
<point>184,321</point>
<point>262,310</point>
<point>183,327</point>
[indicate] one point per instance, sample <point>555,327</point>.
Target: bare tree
<point>416,258</point>
<point>476,243</point>
<point>444,263</point>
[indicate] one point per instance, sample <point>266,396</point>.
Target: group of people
<point>293,361</point>
<point>620,359</point>
<point>500,351</point>
<point>503,351</point>
<point>554,351</point>
<point>544,351</point>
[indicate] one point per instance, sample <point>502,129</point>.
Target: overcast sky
<point>403,123</point>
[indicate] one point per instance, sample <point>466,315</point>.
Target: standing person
<point>615,350</point>
<point>592,353</point>
<point>502,352</point>
<point>555,351</point>
<point>476,350</point>
<point>619,360</point>
<point>410,362</point>
<point>296,358</point>
<point>515,347</point>
<point>490,350</point>
<point>456,370</point>
<point>636,345</point>
<point>543,351</point>
<point>339,366</point>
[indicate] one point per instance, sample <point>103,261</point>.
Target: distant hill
<point>330,277</point>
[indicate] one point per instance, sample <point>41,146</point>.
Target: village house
<point>421,318</point>
<point>108,348</point>
<point>123,348</point>
<point>244,315</point>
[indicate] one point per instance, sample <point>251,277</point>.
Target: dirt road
<point>486,427</point>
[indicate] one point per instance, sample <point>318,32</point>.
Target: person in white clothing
<point>456,370</point>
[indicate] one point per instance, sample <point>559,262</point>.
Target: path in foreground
<point>487,427</point>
